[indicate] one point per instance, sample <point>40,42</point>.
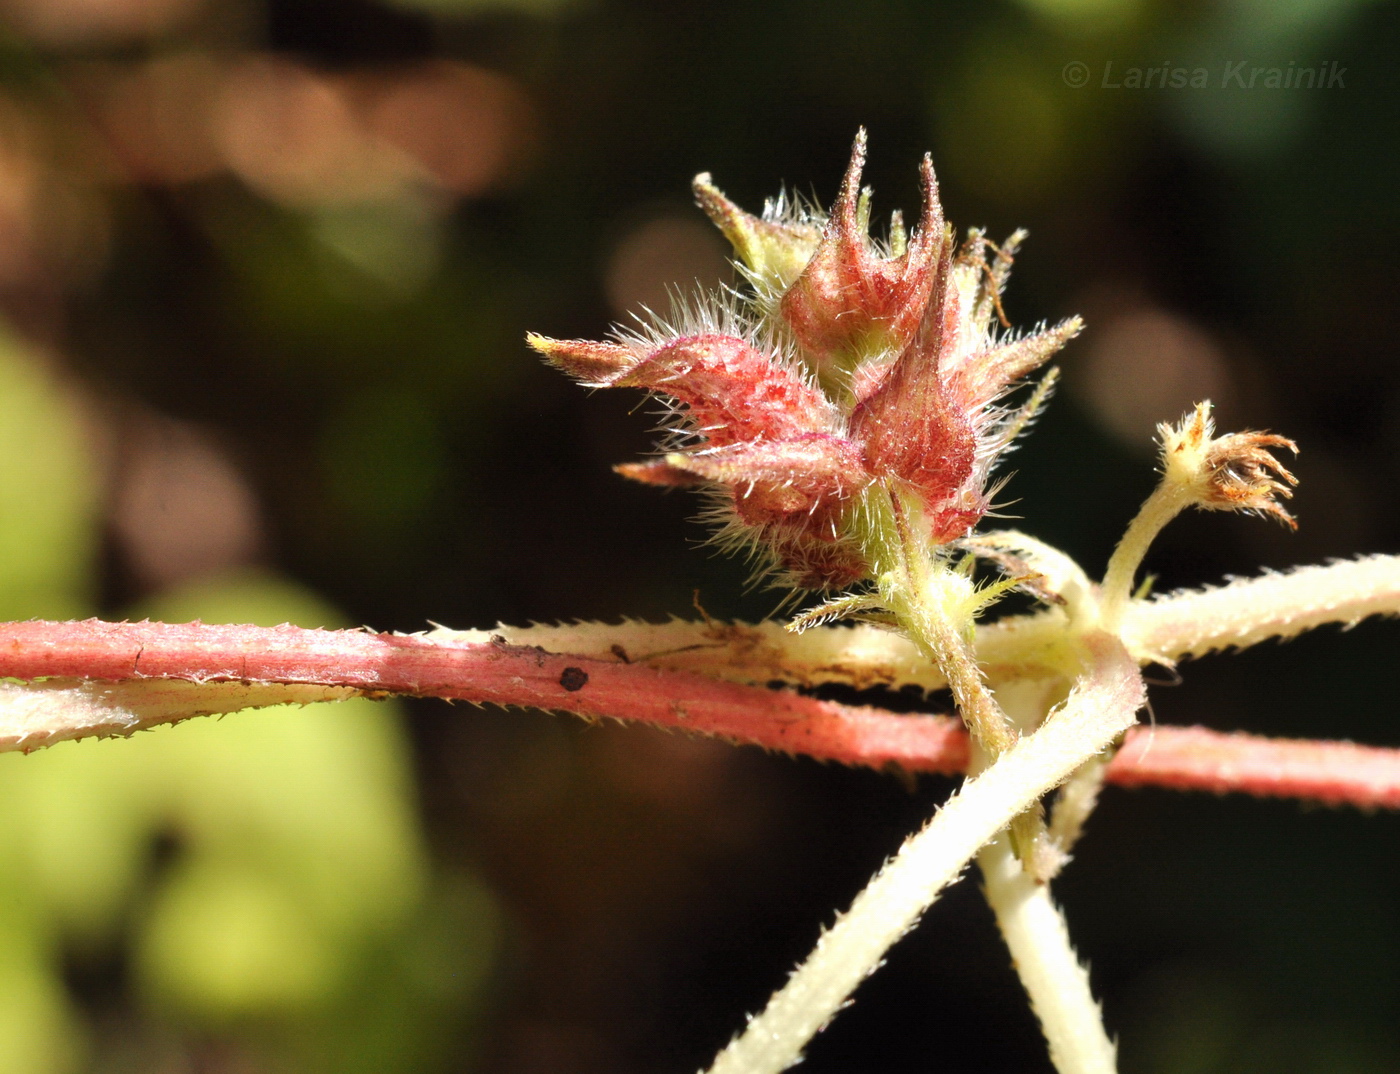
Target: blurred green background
<point>265,270</point>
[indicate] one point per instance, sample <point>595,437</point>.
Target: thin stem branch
<point>919,597</point>
<point>1075,803</point>
<point>934,633</point>
<point>1035,929</point>
<point>1166,502</point>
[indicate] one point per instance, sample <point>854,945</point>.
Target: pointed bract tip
<point>736,225</point>
<point>585,360</point>
<point>658,472</point>
<point>984,377</point>
<point>846,211</point>
<point>772,252</point>
<point>928,178</point>
<point>1065,331</point>
<point>713,200</point>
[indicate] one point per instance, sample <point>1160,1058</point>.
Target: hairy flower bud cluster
<point>852,366</point>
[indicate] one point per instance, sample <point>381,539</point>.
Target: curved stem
<point>1167,501</point>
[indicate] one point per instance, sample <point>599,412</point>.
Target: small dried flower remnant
<point>851,368</point>
<point>1228,473</point>
<point>1235,472</point>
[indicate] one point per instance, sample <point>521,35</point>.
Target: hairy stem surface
<point>1191,623</point>
<point>1251,610</point>
<point>1056,982</point>
<point>1037,934</point>
<point>920,595</point>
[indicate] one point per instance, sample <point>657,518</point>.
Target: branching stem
<point>925,595</point>
<point>1166,629</point>
<point>1101,707</point>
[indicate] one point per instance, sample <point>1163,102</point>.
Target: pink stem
<point>1197,759</point>
<point>480,672</point>
<point>501,674</point>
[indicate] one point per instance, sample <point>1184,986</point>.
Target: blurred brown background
<point>265,271</point>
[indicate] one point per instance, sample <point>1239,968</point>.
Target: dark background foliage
<point>286,255</point>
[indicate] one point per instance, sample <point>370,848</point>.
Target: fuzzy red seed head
<point>849,367</point>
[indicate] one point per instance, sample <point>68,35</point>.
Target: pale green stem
<point>919,597</point>
<point>37,714</point>
<point>1100,708</point>
<point>934,633</point>
<point>1242,613</point>
<point>1035,929</point>
<point>1167,501</point>
<point>1056,982</point>
<point>1248,611</point>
